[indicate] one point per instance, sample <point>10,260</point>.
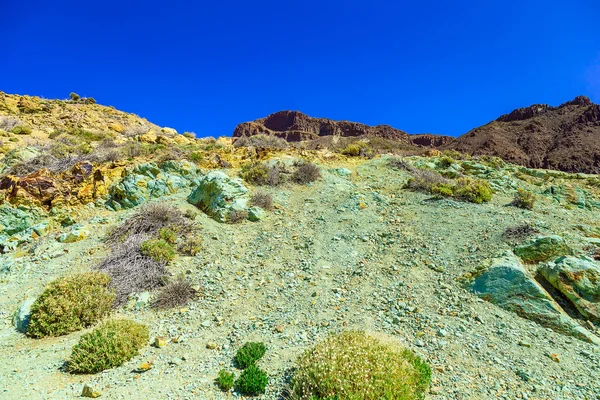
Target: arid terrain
<point>487,269</point>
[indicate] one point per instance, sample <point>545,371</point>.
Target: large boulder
<point>579,280</point>
<point>506,283</point>
<point>149,180</point>
<point>218,195</point>
<point>542,248</point>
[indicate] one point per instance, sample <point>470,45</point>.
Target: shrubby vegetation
<point>177,293</point>
<point>249,353</point>
<point>108,346</point>
<point>252,381</point>
<point>261,142</point>
<point>353,365</point>
<point>274,174</point>
<point>159,250</point>
<point>524,199</point>
<point>262,199</point>
<point>225,380</point>
<point>464,188</point>
<point>71,303</point>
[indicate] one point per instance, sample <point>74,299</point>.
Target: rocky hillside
<point>294,126</point>
<point>565,138</point>
<point>226,268</point>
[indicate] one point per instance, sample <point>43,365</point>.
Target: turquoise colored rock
<point>506,283</point>
<point>217,195</point>
<point>74,235</point>
<point>579,280</point>
<point>17,156</point>
<point>256,214</point>
<point>148,180</point>
<point>19,225</point>
<point>342,171</point>
<point>22,315</point>
<point>542,248</point>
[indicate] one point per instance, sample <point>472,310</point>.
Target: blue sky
<point>427,66</point>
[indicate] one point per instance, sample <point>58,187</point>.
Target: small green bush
<point>524,199</point>
<point>189,135</point>
<point>249,353</point>
<point>225,380</point>
<point>353,365</point>
<point>191,245</point>
<point>70,304</point>
<point>108,346</point>
<point>444,162</point>
<point>473,190</point>
<point>195,156</point>
<point>252,381</point>
<point>168,235</point>
<point>74,96</point>
<point>158,249</point>
<point>351,150</point>
<point>21,130</point>
<point>262,174</point>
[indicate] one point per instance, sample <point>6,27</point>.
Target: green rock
<point>542,248</point>
<point>147,181</point>
<point>217,195</point>
<point>579,280</point>
<point>256,214</point>
<point>507,284</point>
<point>74,235</point>
<point>18,156</point>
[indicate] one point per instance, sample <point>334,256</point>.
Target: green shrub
<point>74,96</point>
<point>191,245</point>
<point>225,380</point>
<point>189,135</point>
<point>70,304</point>
<point>158,249</point>
<point>473,190</point>
<point>444,162</point>
<point>195,156</point>
<point>21,130</point>
<point>89,100</point>
<point>524,199</point>
<point>249,353</point>
<point>168,235</point>
<point>252,381</point>
<point>351,150</point>
<point>108,346</point>
<point>353,365</point>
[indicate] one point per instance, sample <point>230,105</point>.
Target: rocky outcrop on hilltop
<point>565,138</point>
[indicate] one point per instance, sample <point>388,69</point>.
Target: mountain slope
<point>565,138</point>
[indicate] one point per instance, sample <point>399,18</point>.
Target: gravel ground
<point>348,252</point>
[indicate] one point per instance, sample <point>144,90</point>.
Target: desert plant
<point>130,270</point>
<point>352,150</point>
<point>167,234</point>
<point>519,232</point>
<point>249,353</point>
<point>425,180</point>
<point>71,303</point>
<point>149,220</point>
<point>401,164</point>
<point>524,199</point>
<point>174,294</point>
<point>74,96</point>
<point>237,216</point>
<point>191,245</point>
<point>444,162</point>
<point>353,365</point>
<point>261,141</point>
<point>89,100</point>
<point>262,199</point>
<point>21,130</point>
<point>473,190</point>
<point>189,135</point>
<point>252,381</point>
<point>225,380</point>
<point>263,174</point>
<point>8,123</point>
<point>158,249</point>
<point>108,346</point>
<point>195,156</point>
<point>306,172</point>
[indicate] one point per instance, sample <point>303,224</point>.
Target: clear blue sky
<point>421,66</point>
